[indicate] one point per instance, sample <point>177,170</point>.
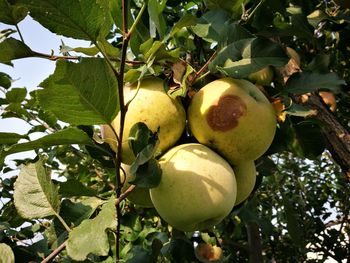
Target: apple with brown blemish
<point>233,117</point>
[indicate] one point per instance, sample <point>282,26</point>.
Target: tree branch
<point>254,241</point>
<point>54,253</point>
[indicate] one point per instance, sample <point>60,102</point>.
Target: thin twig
<point>54,253</point>
<point>202,69</point>
<point>19,33</point>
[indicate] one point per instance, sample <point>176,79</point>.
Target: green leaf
<point>16,95</point>
<point>211,25</point>
<point>63,137</point>
<point>234,7</point>
<point>6,253</point>
<point>155,10</point>
<point>86,19</point>
<point>139,137</point>
<point>81,93</point>
<point>185,21</point>
<point>79,243</point>
<point>304,82</point>
<point>10,138</point>
<point>246,56</point>
<point>73,187</point>
<point>73,213</point>
<point>11,49</point>
<point>11,14</point>
<point>5,80</point>
<point>147,175</point>
<point>35,195</point>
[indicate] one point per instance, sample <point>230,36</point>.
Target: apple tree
<point>72,202</point>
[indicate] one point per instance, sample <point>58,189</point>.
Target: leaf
<point>304,82</point>
<point>185,21</point>
<point>155,10</point>
<point>35,195</point>
<point>81,93</point>
<point>211,25</point>
<point>139,137</point>
<point>73,213</point>
<point>86,19</point>
<point>234,7</point>
<point>79,243</point>
<point>6,253</point>
<point>16,95</point>
<point>5,80</point>
<point>63,137</point>
<point>73,187</point>
<point>147,175</point>
<point>11,49</point>
<point>11,14</point>
<point>246,56</point>
<point>10,138</point>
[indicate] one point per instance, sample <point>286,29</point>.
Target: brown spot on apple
<point>225,114</point>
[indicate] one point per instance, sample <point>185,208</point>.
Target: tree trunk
<point>254,242</point>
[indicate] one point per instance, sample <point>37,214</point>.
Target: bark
<point>254,242</point>
<point>337,137</point>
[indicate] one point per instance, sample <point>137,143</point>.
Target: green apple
<point>233,117</point>
<point>262,77</point>
<point>245,173</point>
<point>197,188</point>
<point>139,196</point>
<point>151,105</point>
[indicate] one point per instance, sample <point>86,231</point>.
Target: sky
<point>30,72</point>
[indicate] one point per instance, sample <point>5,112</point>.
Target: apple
<point>151,105</point>
<point>139,196</point>
<point>233,117</point>
<point>262,77</point>
<point>207,253</point>
<point>245,174</point>
<point>197,189</point>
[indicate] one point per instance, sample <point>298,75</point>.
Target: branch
<point>254,241</point>
<point>54,253</point>
<point>337,137</point>
<point>202,69</point>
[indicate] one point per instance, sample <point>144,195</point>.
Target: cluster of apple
<point>233,123</point>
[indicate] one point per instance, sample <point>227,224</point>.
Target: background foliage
<point>301,200</point>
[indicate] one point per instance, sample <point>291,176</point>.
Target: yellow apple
<point>139,196</point>
<point>207,253</point>
<point>233,117</point>
<point>262,77</point>
<point>245,173</point>
<point>197,188</point>
<point>151,105</point>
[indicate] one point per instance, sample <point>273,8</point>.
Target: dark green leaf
<point>81,93</point>
<point>319,64</point>
<point>304,82</point>
<point>211,25</point>
<point>246,56</point>
<point>148,175</point>
<point>233,7</point>
<point>16,95</point>
<point>11,49</point>
<point>10,138</point>
<point>11,14</point>
<point>293,223</point>
<point>73,187</point>
<point>140,136</point>
<point>5,80</point>
<point>86,19</point>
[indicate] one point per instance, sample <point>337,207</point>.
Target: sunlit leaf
<point>155,10</point>
<point>80,245</point>
<point>86,19</point>
<point>34,194</point>
<point>81,93</point>
<point>16,95</point>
